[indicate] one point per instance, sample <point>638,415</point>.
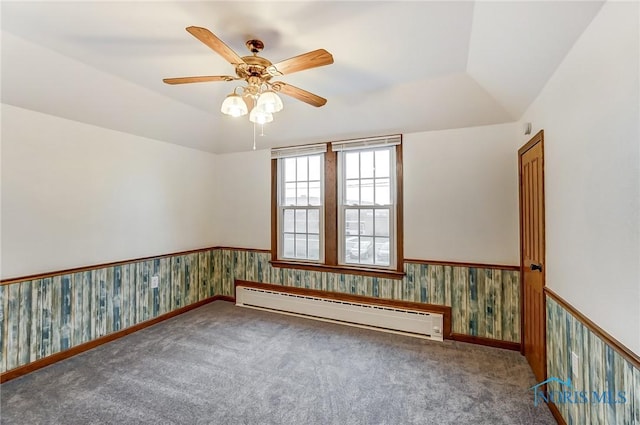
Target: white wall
<point>460,186</point>
<point>461,195</point>
<point>75,195</point>
<point>590,113</point>
<point>244,205</point>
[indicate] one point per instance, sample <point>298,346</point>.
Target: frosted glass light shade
<point>260,117</point>
<point>234,105</point>
<point>270,102</point>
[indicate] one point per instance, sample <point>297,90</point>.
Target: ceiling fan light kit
<point>266,103</point>
<point>259,97</point>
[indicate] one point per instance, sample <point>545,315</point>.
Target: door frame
<point>538,138</point>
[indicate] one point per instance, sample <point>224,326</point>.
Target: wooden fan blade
<point>217,45</point>
<point>203,79</point>
<point>309,60</point>
<point>298,93</point>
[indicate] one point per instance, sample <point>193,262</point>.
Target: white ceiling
<point>399,66</point>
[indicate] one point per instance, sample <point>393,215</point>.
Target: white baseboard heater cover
<point>390,319</point>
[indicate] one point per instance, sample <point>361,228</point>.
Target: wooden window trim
<point>331,224</point>
<point>363,271</point>
<point>399,210</point>
<point>330,208</point>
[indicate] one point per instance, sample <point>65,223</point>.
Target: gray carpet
<point>222,364</point>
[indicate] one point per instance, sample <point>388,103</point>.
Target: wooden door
<point>532,254</point>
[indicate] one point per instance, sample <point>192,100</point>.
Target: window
<point>338,207</point>
<point>366,207</point>
<point>300,203</point>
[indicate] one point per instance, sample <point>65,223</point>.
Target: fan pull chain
<point>254,136</point>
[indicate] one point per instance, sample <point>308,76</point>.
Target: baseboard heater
<point>351,310</point>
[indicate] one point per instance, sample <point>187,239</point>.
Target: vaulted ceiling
<point>399,66</point>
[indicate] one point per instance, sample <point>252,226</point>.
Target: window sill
<point>362,271</point>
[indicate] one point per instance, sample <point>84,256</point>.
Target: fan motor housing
<point>253,66</point>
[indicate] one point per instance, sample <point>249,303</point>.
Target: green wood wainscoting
<point>604,367</point>
<point>49,314</point>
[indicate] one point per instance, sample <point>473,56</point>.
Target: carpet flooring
<point>222,364</point>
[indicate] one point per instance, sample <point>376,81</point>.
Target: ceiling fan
<point>259,95</point>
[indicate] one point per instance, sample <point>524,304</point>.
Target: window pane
<point>382,223</point>
<point>382,163</point>
<point>302,168</point>
<point>353,192</point>
<point>351,222</point>
<point>314,247</point>
<point>314,167</point>
<point>366,222</point>
<point>301,246</point>
<point>288,221</point>
<point>290,194</point>
<point>366,250</point>
<point>366,192</point>
<point>314,193</point>
<point>352,170</point>
<point>314,221</point>
<point>351,249</point>
<point>290,169</point>
<point>301,221</point>
<point>383,193</point>
<point>382,257</point>
<point>288,249</point>
<point>366,164</point>
<point>302,194</point>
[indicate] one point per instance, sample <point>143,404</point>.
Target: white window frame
<point>363,146</point>
<point>280,155</point>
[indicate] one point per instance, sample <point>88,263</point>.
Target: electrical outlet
<point>575,364</point>
<point>154,282</point>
